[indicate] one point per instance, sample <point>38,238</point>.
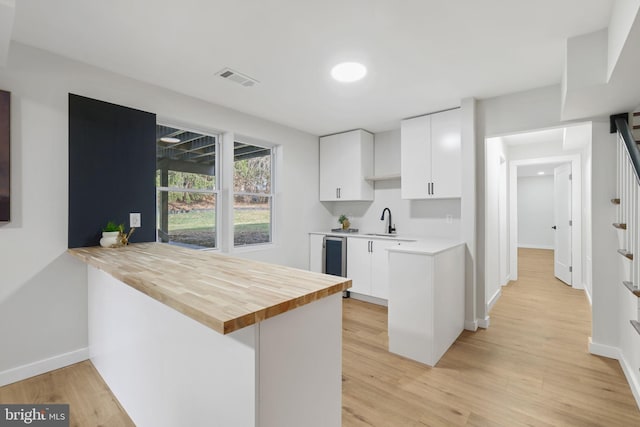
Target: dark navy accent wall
<point>112,164</point>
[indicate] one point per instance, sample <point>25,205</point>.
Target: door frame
<point>576,209</point>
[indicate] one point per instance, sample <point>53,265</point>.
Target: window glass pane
<point>187,218</point>
<point>186,160</point>
<point>251,220</point>
<point>252,169</point>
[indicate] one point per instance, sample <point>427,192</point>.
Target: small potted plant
<point>110,235</point>
<point>344,221</point>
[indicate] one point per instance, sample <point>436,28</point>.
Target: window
<point>252,194</point>
<point>187,187</point>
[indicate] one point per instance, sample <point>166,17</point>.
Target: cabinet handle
<point>433,188</point>
<point>372,246</point>
<point>337,194</point>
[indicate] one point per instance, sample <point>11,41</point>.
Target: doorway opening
<point>521,210</point>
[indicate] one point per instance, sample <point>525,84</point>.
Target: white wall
<point>496,155</point>
<point>587,238</point>
<point>535,212</point>
<point>43,309</point>
<point>421,218</point>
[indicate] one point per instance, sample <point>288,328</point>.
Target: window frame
<point>271,196</point>
<point>217,188</point>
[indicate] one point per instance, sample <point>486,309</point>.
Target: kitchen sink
<point>381,234</point>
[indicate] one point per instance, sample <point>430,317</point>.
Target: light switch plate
<point>134,220</point>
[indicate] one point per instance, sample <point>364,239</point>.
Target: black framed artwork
<point>5,156</point>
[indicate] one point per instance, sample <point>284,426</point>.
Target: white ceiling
<point>534,170</point>
<point>422,55</point>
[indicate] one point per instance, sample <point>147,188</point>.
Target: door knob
<point>554,227</point>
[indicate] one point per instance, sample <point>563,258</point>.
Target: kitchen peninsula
<point>187,337</point>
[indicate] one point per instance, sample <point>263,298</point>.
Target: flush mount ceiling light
<point>347,72</point>
<point>540,173</point>
<point>170,140</point>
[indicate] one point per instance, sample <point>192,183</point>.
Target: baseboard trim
<point>528,246</point>
<point>615,353</point>
<point>586,291</point>
<point>631,378</point>
<point>494,299</point>
<point>471,325</point>
<point>370,299</point>
<point>604,350</point>
<point>42,366</point>
<point>484,323</point>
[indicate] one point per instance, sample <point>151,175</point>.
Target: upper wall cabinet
<point>345,159</point>
<point>431,164</point>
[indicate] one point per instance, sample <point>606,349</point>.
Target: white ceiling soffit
<point>422,55</point>
<point>7,13</point>
<point>537,137</point>
<point>601,75</point>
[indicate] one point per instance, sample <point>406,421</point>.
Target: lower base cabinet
<point>315,252</point>
<point>426,303</point>
<point>368,266</point>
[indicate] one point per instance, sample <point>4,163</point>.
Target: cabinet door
<point>315,252</point>
<point>345,159</point>
<point>358,154</point>
<point>415,157</point>
<point>330,164</point>
<point>446,164</point>
<point>359,265</point>
<point>380,268</point>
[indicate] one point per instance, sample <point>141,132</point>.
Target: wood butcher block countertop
<point>222,292</point>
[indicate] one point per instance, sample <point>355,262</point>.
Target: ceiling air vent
<point>234,76</point>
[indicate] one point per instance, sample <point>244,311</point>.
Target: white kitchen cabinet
<point>359,265</point>
<point>315,252</point>
<point>368,267</point>
<point>426,300</point>
<point>431,156</point>
<point>345,160</point>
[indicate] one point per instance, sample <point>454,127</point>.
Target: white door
<point>380,268</point>
<point>415,157</point>
<point>562,218</point>
<point>359,265</point>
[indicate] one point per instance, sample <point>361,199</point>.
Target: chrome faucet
<point>390,229</point>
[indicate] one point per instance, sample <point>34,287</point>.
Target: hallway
<point>531,367</point>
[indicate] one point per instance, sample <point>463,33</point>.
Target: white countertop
<point>411,244</point>
<point>363,235</point>
<point>427,246</point>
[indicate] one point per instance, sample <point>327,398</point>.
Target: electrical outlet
<point>134,220</point>
<point>449,219</point>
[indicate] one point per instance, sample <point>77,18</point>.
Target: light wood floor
<point>91,403</point>
<point>530,368</point>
